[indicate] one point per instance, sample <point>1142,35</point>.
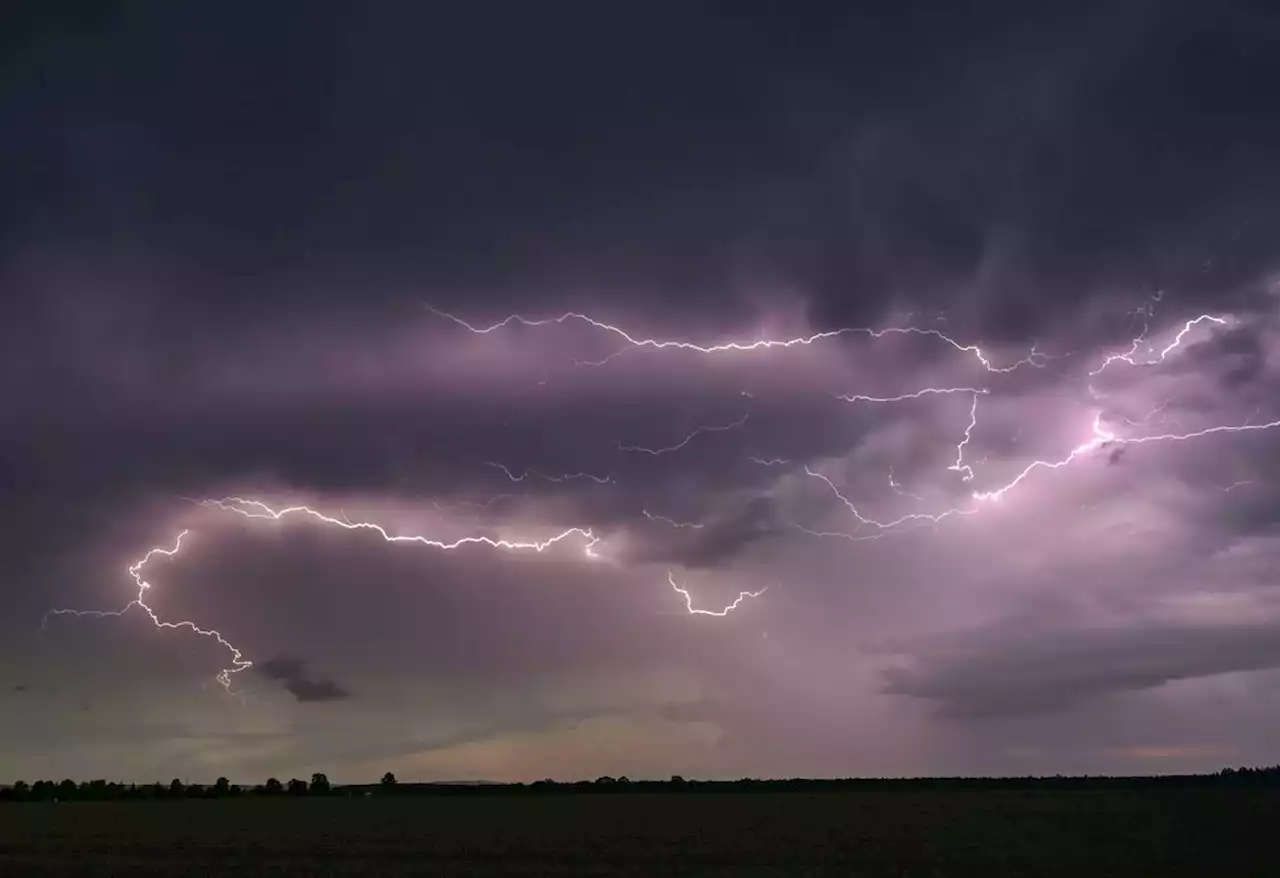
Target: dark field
<point>875,833</point>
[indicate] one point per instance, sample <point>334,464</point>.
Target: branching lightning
<point>258,509</point>
<point>733,425</point>
<point>671,522</point>
<point>916,395</point>
<point>693,611</point>
<point>960,466</point>
<point>238,661</point>
<point>566,477</point>
<point>1100,438</point>
<point>1141,338</point>
<point>1034,358</point>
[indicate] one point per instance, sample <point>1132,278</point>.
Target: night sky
<point>273,252</point>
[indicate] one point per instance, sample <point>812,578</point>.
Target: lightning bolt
<point>1034,358</point>
<point>672,522</point>
<point>1101,438</point>
<point>1127,356</point>
<point>687,439</point>
<point>238,661</point>
<point>688,599</point>
<point>916,395</point>
<point>898,489</point>
<point>1237,484</point>
<point>885,525</point>
<point>1151,414</point>
<point>960,466</point>
<point>527,472</point>
<point>857,537</point>
<point>258,509</point>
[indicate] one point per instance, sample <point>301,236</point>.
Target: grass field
<point>876,833</point>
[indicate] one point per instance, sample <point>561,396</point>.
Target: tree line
<point>101,790</point>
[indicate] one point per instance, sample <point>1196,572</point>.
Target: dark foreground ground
<point>886,833</point>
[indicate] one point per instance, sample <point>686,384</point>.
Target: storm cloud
<point>293,674</point>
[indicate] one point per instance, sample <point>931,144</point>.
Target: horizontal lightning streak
<point>1034,358</point>
<point>856,537</point>
<point>916,395</point>
<point>687,439</point>
<point>885,525</point>
<point>671,521</point>
<point>527,472</point>
<point>1101,438</point>
<point>688,599</point>
<point>258,509</point>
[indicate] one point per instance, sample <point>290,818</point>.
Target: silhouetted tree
<point>388,781</point>
<point>222,787</point>
<point>319,784</point>
<point>273,787</point>
<point>20,789</point>
<point>297,787</point>
<point>93,790</point>
<point>176,788</point>
<point>67,790</point>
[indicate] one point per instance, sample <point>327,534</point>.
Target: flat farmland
<point>871,833</point>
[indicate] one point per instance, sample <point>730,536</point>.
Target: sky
<point>504,393</point>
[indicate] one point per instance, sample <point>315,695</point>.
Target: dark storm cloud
<point>294,674</point>
<point>1045,153</point>
<point>1000,672</point>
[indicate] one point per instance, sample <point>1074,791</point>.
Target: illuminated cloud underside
<point>592,546</point>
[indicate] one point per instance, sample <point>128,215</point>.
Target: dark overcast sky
<point>226,237</point>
